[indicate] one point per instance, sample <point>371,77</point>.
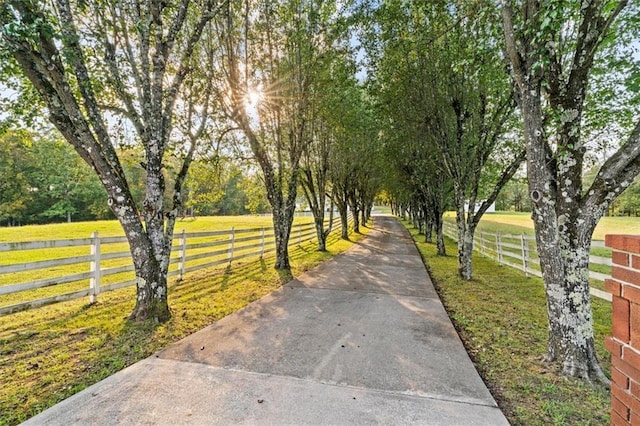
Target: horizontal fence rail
<point>108,264</point>
<point>519,251</point>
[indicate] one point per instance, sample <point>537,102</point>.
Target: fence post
<point>232,238</point>
<point>525,255</point>
<point>499,247</point>
<point>262,243</point>
<point>182,253</point>
<point>94,281</point>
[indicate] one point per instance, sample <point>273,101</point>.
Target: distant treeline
<point>43,180</point>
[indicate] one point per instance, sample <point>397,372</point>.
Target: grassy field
<point>52,352</point>
<point>515,223</point>
<point>521,223</point>
<point>501,317</point>
<point>105,229</point>
<point>110,228</point>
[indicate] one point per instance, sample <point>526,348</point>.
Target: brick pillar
<point>624,345</point>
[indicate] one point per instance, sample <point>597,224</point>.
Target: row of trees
<point>179,80</point>
<point>468,91</point>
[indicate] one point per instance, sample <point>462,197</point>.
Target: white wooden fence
<point>519,251</point>
<point>110,267</point>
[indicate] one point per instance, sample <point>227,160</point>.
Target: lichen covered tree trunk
<point>355,211</point>
<point>565,214</point>
<point>564,257</point>
<point>465,235</point>
<point>321,236</point>
<point>151,292</point>
<point>439,225</point>
<point>282,227</point>
<point>344,220</point>
<point>465,252</point>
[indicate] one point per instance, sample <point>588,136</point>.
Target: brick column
<point>624,345</point>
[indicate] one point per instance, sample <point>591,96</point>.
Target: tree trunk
<point>564,264</point>
<point>344,223</point>
<point>428,231</point>
<point>466,229</point>
<point>282,229</point>
<point>355,211</point>
<point>441,248</point>
<point>464,245</point>
<point>465,252</point>
<point>356,222</point>
<point>151,291</point>
<point>150,265</point>
<point>320,232</point>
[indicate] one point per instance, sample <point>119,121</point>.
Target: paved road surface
<point>362,339</point>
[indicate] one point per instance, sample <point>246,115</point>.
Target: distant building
<point>491,209</point>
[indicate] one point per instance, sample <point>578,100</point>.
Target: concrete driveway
<point>362,339</point>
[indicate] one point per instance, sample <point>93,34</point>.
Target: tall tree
<point>333,77</point>
<point>132,58</point>
<point>15,165</point>
<point>62,185</point>
<point>553,47</point>
<point>270,51</point>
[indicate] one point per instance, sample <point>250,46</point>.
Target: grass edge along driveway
<point>501,317</point>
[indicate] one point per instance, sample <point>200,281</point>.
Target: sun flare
<point>253,97</point>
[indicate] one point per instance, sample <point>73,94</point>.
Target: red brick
<point>626,398</point>
<point>635,262</point>
<point>634,325</point>
<point>623,242</point>
<point>619,378</point>
<point>631,293</point>
<point>630,276</point>
<point>614,346</point>
<point>620,319</point>
<point>613,287</point>
<point>620,258</point>
<point>626,368</point>
<point>617,420</point>
<point>632,357</point>
<point>619,407</point>
<point>634,419</point>
<point>615,241</point>
<point>634,388</point>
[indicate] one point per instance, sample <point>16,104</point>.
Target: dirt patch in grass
<point>501,318</point>
<point>51,353</point>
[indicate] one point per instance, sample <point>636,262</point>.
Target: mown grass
<point>109,228</point>
<point>521,223</point>
<point>104,228</point>
<point>50,353</point>
<point>516,222</point>
<point>501,317</point>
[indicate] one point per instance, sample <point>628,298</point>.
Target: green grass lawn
<point>110,228</point>
<point>50,353</point>
<point>521,223</point>
<point>501,317</point>
<point>515,223</point>
<point>104,228</point>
